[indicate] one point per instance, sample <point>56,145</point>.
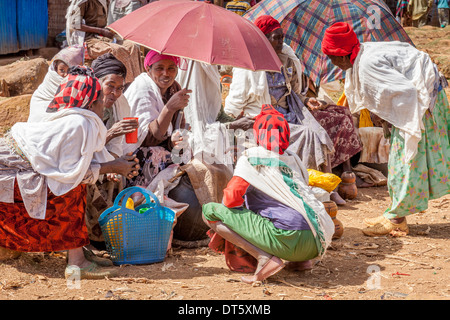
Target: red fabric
<point>340,40</point>
<point>271,130</point>
<point>234,192</point>
<point>267,24</point>
<point>76,91</point>
<point>236,258</point>
<point>153,57</point>
<point>64,227</point>
<point>338,123</point>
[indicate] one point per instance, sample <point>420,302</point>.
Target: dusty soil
<point>411,267</point>
<point>355,267</point>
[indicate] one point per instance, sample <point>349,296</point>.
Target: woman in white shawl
<point>57,71</point>
<point>155,98</point>
<point>402,86</point>
<point>111,73</point>
<point>44,169</point>
<point>282,219</point>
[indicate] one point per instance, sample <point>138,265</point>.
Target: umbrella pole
<point>180,114</point>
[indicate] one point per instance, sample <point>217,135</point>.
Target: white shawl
<point>63,147</point>
<point>145,100</point>
<point>207,135</point>
<point>396,82</point>
<point>44,94</point>
<point>270,181</point>
<point>249,90</point>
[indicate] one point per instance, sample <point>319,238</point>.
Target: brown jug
<point>347,188</point>
<point>332,210</point>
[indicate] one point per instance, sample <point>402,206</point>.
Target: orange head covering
<point>267,24</point>
<point>340,40</point>
<point>271,130</point>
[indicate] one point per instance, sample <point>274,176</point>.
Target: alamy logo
<point>374,17</point>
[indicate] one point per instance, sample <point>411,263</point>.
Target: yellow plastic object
<point>326,181</point>
<point>130,204</point>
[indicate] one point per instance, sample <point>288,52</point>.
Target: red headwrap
<point>267,24</point>
<point>271,130</point>
<point>340,40</point>
<point>153,57</point>
<point>79,89</point>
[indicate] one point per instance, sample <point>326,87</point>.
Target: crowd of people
<point>63,168</point>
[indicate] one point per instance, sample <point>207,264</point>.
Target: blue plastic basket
<point>132,237</point>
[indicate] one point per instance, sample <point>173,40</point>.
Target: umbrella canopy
<point>304,23</point>
<point>199,31</point>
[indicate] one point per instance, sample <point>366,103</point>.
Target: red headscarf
<point>340,40</point>
<point>271,130</point>
<point>153,57</point>
<point>79,89</point>
<point>267,24</point>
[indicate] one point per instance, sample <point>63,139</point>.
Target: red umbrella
<point>199,31</point>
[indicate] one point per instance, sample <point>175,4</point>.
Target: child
<point>60,64</point>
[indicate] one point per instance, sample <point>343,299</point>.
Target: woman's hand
<point>314,104</point>
<point>178,101</point>
<point>122,127</point>
<point>244,123</point>
<point>126,165</point>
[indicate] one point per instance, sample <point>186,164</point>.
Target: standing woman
<point>402,86</point>
<point>44,169</point>
<point>156,99</point>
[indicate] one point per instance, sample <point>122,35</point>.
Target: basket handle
<point>126,193</point>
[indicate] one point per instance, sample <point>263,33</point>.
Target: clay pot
<point>332,210</point>
<point>347,188</point>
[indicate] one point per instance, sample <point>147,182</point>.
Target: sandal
<point>385,226</point>
<point>373,221</point>
<point>93,271</point>
<point>271,267</point>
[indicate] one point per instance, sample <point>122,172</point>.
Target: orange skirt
<point>64,227</point>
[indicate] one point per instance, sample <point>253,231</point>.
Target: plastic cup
<point>131,137</point>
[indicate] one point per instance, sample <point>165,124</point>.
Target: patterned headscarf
<point>271,130</point>
<point>78,90</point>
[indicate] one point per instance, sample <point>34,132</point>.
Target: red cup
<point>131,137</point>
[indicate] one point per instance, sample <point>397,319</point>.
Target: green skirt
<point>291,245</point>
<point>426,176</point>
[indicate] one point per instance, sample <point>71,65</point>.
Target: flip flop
<point>271,267</point>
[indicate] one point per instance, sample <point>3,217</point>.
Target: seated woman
<point>283,90</point>
<point>156,99</point>
<point>282,218</point>
<point>45,169</point>
<point>111,73</point>
<point>57,71</point>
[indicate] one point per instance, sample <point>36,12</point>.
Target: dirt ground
<point>356,267</point>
